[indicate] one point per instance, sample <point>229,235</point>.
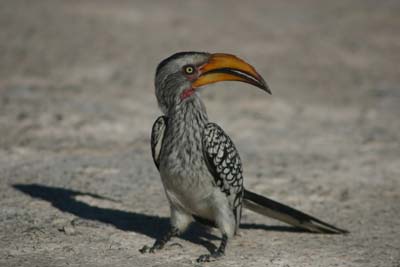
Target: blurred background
<point>77,182</point>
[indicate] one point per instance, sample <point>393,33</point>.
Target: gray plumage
<point>198,163</point>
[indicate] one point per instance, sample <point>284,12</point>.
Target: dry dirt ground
<point>78,186</point>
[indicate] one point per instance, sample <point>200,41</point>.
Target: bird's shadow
<point>152,226</point>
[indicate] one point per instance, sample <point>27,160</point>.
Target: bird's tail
<point>281,212</point>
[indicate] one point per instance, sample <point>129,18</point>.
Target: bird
<point>199,165</point>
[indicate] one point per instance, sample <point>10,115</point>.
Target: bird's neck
<point>182,146</point>
<point>190,112</point>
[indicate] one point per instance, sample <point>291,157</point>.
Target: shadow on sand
<point>149,225</point>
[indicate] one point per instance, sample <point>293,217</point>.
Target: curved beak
<point>226,67</point>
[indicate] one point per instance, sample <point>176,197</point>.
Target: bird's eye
<point>188,69</point>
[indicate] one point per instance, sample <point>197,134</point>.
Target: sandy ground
<point>78,186</point>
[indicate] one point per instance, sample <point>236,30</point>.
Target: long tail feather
<point>281,212</point>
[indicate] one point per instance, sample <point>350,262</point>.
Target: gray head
<point>178,76</point>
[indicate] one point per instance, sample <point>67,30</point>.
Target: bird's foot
<point>210,257</point>
<point>152,249</point>
<point>216,254</point>
<point>147,249</point>
<point>160,243</point>
<point>155,247</point>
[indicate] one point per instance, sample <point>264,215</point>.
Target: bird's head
<point>179,76</point>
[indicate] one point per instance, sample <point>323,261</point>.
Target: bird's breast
<point>183,169</point>
<point>184,173</point>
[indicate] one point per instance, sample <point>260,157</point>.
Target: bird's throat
<point>186,93</point>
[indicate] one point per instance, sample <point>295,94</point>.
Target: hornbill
<point>199,165</point>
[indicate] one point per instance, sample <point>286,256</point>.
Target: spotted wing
<point>157,137</point>
<point>223,161</point>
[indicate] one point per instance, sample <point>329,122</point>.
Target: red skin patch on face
<point>190,91</point>
<point>186,93</point>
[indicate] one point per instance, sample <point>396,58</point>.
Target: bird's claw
<point>147,249</point>
<point>210,257</point>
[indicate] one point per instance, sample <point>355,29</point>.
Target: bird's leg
<point>179,222</point>
<point>225,220</point>
<point>216,254</point>
<point>160,242</point>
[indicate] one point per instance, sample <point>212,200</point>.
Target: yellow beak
<point>226,67</point>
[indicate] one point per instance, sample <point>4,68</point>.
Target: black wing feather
<point>157,137</point>
<point>223,162</point>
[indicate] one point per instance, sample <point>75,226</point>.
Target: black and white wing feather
<point>223,162</point>
<point>157,137</point>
